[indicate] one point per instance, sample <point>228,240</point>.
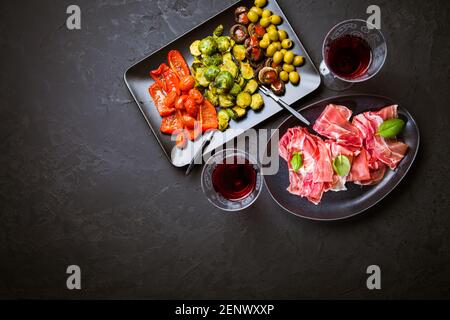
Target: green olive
<point>252,16</point>
<point>282,35</point>
<point>260,3</point>
<point>289,57</point>
<point>294,77</point>
<point>257,10</point>
<point>277,44</point>
<point>286,43</point>
<point>283,51</point>
<point>277,57</point>
<point>271,27</point>
<point>288,67</point>
<point>264,22</point>
<point>264,43</point>
<point>298,61</point>
<point>284,76</point>
<point>273,35</point>
<point>271,49</point>
<point>266,13</point>
<point>266,37</point>
<point>276,20</point>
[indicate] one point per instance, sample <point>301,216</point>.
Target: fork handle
<point>294,112</point>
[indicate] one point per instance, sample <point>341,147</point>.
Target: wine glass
<point>353,51</point>
<point>231,180</point>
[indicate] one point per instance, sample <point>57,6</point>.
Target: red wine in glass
<point>234,180</point>
<point>348,57</point>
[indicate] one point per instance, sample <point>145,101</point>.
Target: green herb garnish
<point>296,161</point>
<point>341,165</point>
<point>391,128</point>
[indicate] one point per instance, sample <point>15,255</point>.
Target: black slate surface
<point>83,181</point>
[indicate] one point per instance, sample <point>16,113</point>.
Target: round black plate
<point>344,204</point>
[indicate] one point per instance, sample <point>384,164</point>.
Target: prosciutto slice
<point>387,151</point>
<point>334,123</point>
<point>316,175</point>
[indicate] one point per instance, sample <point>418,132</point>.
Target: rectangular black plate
<point>138,81</point>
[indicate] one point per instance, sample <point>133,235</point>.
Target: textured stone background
<point>83,181</point>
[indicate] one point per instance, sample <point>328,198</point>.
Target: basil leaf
<point>341,165</point>
<point>296,161</point>
<point>391,128</point>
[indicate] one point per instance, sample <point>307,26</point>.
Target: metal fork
<point>295,113</point>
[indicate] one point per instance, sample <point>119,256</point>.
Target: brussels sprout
<point>231,113</point>
<point>211,73</point>
<point>211,97</point>
<point>240,111</point>
<point>226,100</point>
<point>257,101</point>
<point>194,48</point>
<point>239,52</point>
<point>231,67</point>
<point>218,31</point>
<point>208,46</point>
<point>240,81</point>
<point>244,99</point>
<point>246,71</point>
<point>227,56</point>
<point>200,77</point>
<point>213,60</point>
<point>223,124</point>
<point>223,114</point>
<point>251,86</point>
<point>235,90</point>
<point>223,44</point>
<point>224,81</point>
<point>195,66</point>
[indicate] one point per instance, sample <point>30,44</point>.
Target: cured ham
<point>334,124</point>
<point>368,154</point>
<point>316,174</point>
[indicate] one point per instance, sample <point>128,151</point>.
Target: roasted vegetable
<point>256,30</point>
<point>208,46</point>
<point>218,31</point>
<point>278,87</point>
<point>267,75</point>
<point>251,86</point>
<point>236,89</point>
<point>213,60</point>
<point>239,52</point>
<point>240,112</point>
<point>223,44</point>
<point>240,15</point>
<point>244,99</point>
<point>211,97</point>
<point>226,100</point>
<point>195,51</point>
<point>200,77</point>
<point>254,53</point>
<point>211,72</point>
<point>238,33</point>
<point>246,71</point>
<point>224,81</point>
<point>231,113</point>
<point>231,67</point>
<point>223,118</point>
<point>240,81</point>
<point>257,101</point>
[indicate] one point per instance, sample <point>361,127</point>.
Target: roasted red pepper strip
<point>178,64</point>
<point>159,97</point>
<point>208,116</point>
<point>171,124</point>
<point>158,76</point>
<point>172,81</point>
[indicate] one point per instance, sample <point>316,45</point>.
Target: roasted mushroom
<point>278,87</point>
<point>269,63</point>
<point>251,42</point>
<point>256,30</point>
<point>267,75</point>
<point>254,54</point>
<point>238,33</point>
<point>240,15</point>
